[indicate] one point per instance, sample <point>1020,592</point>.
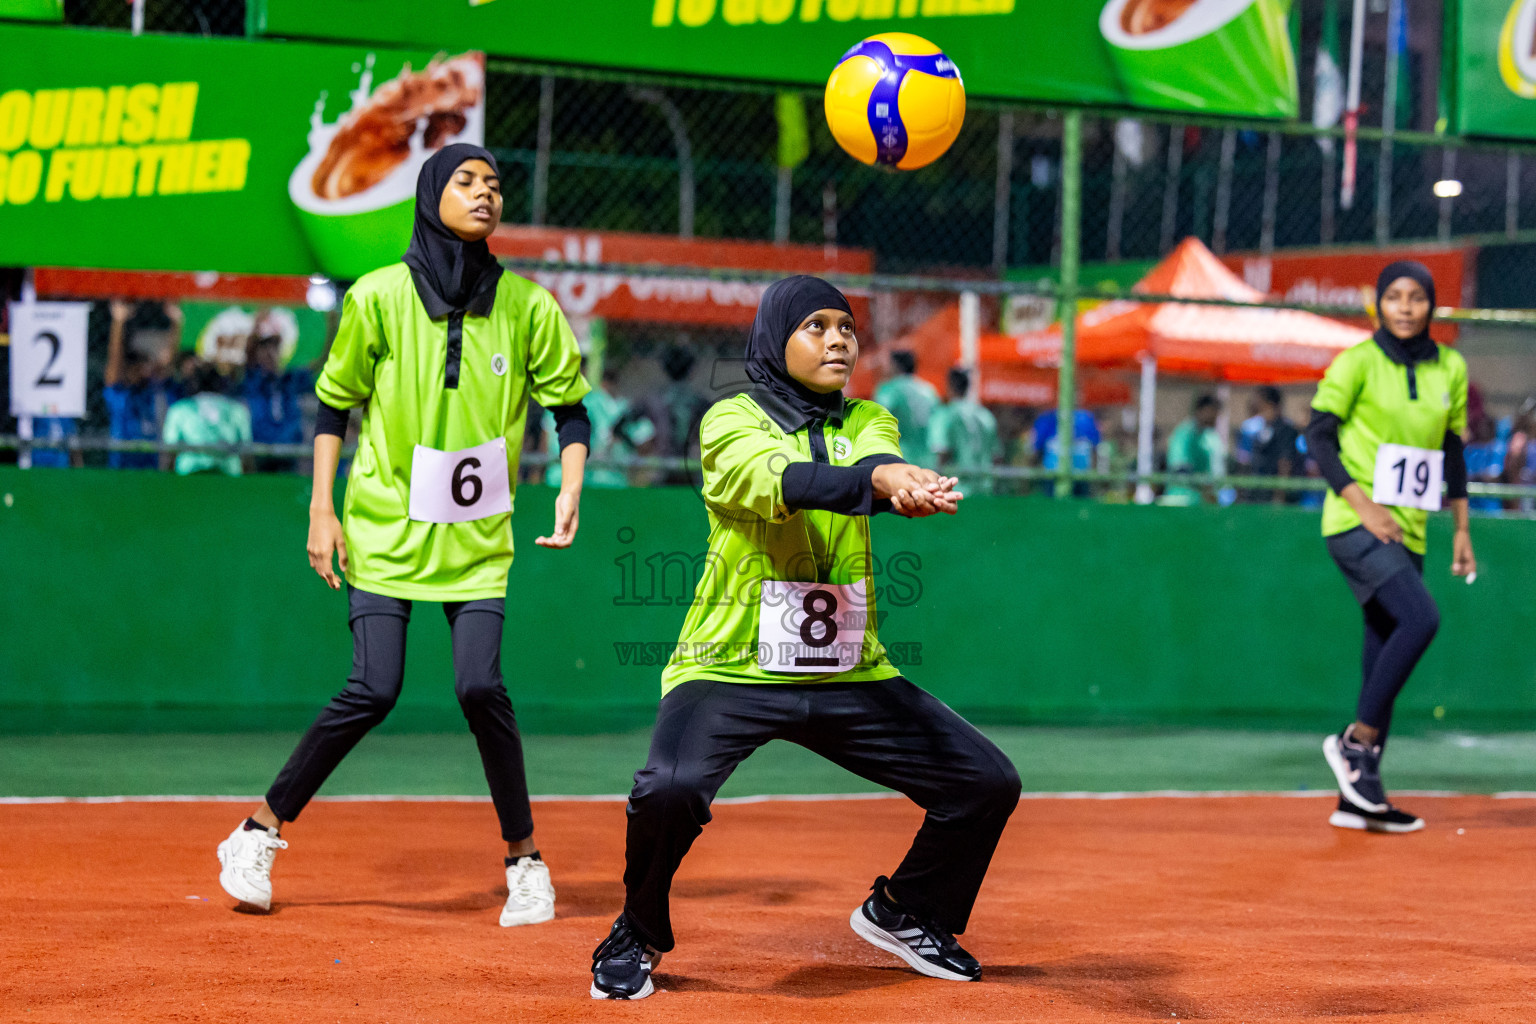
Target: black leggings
<point>889,732</point>
<point>378,671</point>
<point>1400,621</point>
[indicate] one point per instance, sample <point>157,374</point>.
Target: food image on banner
<point>355,188</point>
<point>1517,61</point>
<point>1228,56</point>
<point>1495,64</point>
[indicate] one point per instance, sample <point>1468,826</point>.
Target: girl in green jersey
<point>442,351</point>
<point>781,643</point>
<point>1389,415</point>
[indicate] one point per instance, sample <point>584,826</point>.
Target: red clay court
<point>1217,909</point>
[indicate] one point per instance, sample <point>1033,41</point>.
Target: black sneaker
<point>1390,820</point>
<point>928,948</point>
<point>1357,768</point>
<point>621,965</point>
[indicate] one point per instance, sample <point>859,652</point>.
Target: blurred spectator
<point>962,437</point>
<point>912,401</point>
<point>1197,449</point>
<point>1273,451</point>
<point>1520,465</point>
<point>272,394</point>
<point>135,385</point>
<point>619,432</point>
<point>55,429</point>
<point>676,412</point>
<point>1485,461</point>
<point>207,417</point>
<point>1085,440</point>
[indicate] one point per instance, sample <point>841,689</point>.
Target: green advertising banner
<point>32,10</point>
<point>183,153</point>
<point>1495,65</point>
<point>1216,56</point>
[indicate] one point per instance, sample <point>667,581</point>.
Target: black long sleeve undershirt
<point>572,425</point>
<point>1323,446</point>
<point>846,490</point>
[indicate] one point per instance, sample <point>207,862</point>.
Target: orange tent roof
<point>1256,346</point>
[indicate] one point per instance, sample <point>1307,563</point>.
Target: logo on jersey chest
<point>841,447</point>
<point>499,364</point>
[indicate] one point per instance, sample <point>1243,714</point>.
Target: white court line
<point>1150,794</point>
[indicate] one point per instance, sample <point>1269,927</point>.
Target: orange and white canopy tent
<point>1006,379</point>
<point>1251,346</point>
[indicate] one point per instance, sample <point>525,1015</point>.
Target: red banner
<point>1341,277</point>
<point>668,299</point>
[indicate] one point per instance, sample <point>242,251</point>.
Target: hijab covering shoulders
<point>450,274</point>
<point>784,305</point>
<point>1421,347</point>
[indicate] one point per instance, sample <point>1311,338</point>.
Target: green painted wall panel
<point>142,601</point>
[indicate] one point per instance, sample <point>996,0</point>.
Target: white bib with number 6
<point>1408,476</point>
<point>811,627</point>
<point>456,487</point>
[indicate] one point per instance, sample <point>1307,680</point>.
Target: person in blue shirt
<point>1085,439</point>
<point>135,389</point>
<point>1486,454</point>
<point>272,394</point>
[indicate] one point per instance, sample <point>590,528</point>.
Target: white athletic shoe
<point>530,894</point>
<point>246,862</point>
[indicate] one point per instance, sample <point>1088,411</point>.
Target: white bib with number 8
<point>1408,476</point>
<point>456,487</point>
<point>811,627</point>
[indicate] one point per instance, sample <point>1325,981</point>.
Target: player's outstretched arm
<point>914,491</point>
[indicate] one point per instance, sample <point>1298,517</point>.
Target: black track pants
<point>378,670</point>
<point>889,732</point>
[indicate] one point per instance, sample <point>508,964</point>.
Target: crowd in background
<point>241,392</point>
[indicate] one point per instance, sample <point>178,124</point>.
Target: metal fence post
<point>538,204</point>
<point>1002,201</point>
<point>1071,244</point>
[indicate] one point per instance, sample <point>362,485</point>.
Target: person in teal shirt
<point>1195,448</point>
<point>1389,415</point>
<point>619,432</point>
<point>208,416</point>
<point>782,642</point>
<point>962,435</point>
<point>912,400</point>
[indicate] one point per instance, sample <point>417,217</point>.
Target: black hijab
<point>451,275</point>
<point>785,303</point>
<point>1421,347</point>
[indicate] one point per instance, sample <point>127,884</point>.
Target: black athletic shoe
<point>1390,820</point>
<point>928,948</point>
<point>621,965</point>
<point>1357,768</point>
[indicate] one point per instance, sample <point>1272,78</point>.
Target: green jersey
<point>207,419</point>
<point>1198,451</point>
<point>392,359</point>
<point>912,401</point>
<point>963,436</point>
<point>754,538</point>
<point>1369,393</point>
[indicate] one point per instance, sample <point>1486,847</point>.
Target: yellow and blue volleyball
<point>895,100</point>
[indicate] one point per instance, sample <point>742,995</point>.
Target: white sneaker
<point>246,859</point>
<point>530,894</point>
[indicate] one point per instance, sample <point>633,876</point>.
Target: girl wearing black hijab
<point>1389,415</point>
<point>781,643</point>
<point>443,352</point>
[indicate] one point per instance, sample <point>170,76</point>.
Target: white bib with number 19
<point>1408,477</point>
<point>456,487</point>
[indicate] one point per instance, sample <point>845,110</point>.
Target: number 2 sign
<point>48,358</point>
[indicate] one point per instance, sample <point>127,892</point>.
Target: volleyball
<point>895,100</point>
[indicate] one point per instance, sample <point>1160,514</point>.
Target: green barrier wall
<point>142,601</point>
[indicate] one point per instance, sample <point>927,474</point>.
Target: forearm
<point>1323,445</point>
<point>847,490</point>
<point>573,468</point>
<point>327,457</point>
<point>114,370</point>
<point>1459,515</point>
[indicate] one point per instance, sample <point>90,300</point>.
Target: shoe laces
<point>621,944</point>
<point>524,883</point>
<point>267,846</point>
